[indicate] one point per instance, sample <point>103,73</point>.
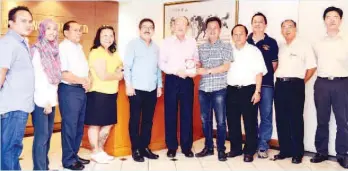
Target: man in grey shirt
<point>215,57</point>
<point>16,86</point>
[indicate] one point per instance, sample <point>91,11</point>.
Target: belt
<point>333,78</point>
<point>242,86</point>
<point>283,79</point>
<point>74,85</point>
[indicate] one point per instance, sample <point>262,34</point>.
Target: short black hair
<point>13,11</point>
<point>259,14</point>
<point>211,19</point>
<point>66,25</point>
<point>146,20</point>
<point>287,21</point>
<point>239,25</point>
<point>332,8</point>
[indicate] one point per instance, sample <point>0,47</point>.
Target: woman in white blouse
<point>47,70</point>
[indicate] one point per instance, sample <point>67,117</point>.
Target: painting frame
<point>199,14</point>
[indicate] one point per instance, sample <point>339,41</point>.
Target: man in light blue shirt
<point>143,85</point>
<point>16,86</point>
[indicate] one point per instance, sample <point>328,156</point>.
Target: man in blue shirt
<point>143,85</point>
<point>269,48</point>
<point>16,86</point>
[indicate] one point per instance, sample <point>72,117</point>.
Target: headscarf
<point>49,52</point>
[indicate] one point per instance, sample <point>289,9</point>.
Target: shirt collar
<point>245,46</point>
<point>250,38</point>
<point>143,41</point>
<point>292,43</point>
<point>339,35</point>
<point>218,42</point>
<point>72,43</point>
<point>176,38</point>
<point>15,35</point>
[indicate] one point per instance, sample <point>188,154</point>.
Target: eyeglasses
<point>147,28</point>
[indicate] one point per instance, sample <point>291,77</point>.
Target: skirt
<point>101,109</point>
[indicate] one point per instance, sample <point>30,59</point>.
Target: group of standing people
<point>236,80</point>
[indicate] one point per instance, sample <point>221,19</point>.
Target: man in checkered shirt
<point>215,57</point>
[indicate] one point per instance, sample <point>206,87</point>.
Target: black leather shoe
<point>222,156</point>
<point>171,153</point>
<point>137,156</point>
<point>234,154</point>
<point>83,161</point>
<point>296,160</point>
<point>75,166</point>
<point>248,158</point>
<point>188,153</point>
<point>148,153</point>
<point>343,162</point>
<point>280,156</point>
<point>319,158</point>
<point>205,152</point>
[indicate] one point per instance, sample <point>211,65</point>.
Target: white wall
<point>307,14</point>
<point>130,14</point>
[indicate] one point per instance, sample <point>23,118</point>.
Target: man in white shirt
<point>296,66</point>
<point>71,94</point>
<point>244,80</point>
<point>330,88</point>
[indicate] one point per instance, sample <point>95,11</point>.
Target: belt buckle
<point>330,78</point>
<point>239,86</point>
<point>286,79</point>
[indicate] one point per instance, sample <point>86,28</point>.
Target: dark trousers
<point>72,106</point>
<point>216,101</point>
<point>238,104</point>
<point>178,91</point>
<point>333,93</point>
<point>141,105</point>
<point>289,97</point>
<point>43,128</point>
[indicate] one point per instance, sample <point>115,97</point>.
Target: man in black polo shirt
<point>269,48</point>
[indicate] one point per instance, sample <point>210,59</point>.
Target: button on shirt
<point>141,69</point>
<point>295,59</point>
<point>45,92</point>
<point>248,62</point>
<point>174,53</point>
<point>269,49</point>
<point>332,56</point>
<point>73,59</point>
<point>211,56</point>
<point>17,92</point>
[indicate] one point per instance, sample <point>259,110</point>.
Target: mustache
<point>146,32</point>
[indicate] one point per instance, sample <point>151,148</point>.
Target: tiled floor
<point>182,163</point>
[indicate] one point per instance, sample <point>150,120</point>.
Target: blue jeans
<point>266,115</point>
<point>12,132</point>
<point>43,128</point>
<point>216,101</point>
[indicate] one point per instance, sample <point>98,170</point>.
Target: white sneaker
<point>107,157</point>
<point>99,158</point>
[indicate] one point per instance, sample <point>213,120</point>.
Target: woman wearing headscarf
<point>47,71</point>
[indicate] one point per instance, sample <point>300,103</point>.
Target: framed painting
<point>197,12</point>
